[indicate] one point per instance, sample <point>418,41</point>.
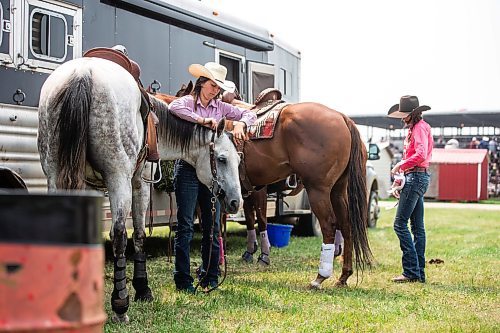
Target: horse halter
<point>216,188</point>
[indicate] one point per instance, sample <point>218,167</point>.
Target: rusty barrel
<point>51,262</point>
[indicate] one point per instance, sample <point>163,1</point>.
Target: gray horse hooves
<point>247,257</point>
<point>264,260</point>
<point>120,318</point>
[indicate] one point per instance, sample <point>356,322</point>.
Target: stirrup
<point>291,181</point>
<point>152,181</point>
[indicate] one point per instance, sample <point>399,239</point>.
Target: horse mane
<point>176,131</point>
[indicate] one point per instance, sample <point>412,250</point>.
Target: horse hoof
<point>264,260</point>
<point>247,257</point>
<point>315,285</point>
<point>120,318</point>
<point>145,296</point>
<point>340,284</point>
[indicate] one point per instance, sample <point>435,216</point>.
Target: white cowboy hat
<point>214,72</point>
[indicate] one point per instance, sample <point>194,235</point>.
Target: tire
<point>308,225</point>
<point>373,210</point>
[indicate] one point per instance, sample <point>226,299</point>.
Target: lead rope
<point>169,247</point>
<point>224,242</point>
<point>214,190</point>
<point>212,228</point>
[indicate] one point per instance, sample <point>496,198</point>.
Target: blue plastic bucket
<point>279,234</point>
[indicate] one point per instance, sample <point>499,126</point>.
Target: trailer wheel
<point>308,225</point>
<point>373,210</point>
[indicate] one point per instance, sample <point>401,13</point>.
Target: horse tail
<point>72,127</point>
<point>358,202</point>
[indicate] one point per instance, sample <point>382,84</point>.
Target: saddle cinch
<point>149,151</point>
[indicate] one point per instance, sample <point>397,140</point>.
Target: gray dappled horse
<point>89,114</point>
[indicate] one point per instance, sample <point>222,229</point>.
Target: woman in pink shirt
<point>416,157</point>
<point>204,108</point>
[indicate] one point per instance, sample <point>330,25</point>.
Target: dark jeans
<point>189,191</point>
<point>411,207</point>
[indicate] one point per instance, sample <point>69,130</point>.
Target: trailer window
<point>48,35</point>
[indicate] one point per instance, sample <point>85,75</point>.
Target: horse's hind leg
<point>248,208</point>
<point>338,197</point>
<point>322,208</point>
<point>260,212</point>
<point>120,197</point>
<point>140,200</point>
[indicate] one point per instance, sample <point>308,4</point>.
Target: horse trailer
<point>164,37</point>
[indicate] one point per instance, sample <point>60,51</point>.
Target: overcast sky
<point>360,56</point>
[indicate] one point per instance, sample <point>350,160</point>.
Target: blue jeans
<point>411,207</point>
<point>189,191</point>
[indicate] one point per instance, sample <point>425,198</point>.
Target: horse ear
<point>189,87</point>
<point>221,126</point>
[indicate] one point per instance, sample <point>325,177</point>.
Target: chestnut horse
<point>324,149</point>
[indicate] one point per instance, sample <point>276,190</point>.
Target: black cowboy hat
<point>407,105</point>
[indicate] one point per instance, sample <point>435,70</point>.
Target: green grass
<point>461,295</point>
<point>491,200</point>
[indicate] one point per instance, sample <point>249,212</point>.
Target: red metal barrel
<point>51,262</point>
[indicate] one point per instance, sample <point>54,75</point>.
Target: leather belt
<point>415,169</point>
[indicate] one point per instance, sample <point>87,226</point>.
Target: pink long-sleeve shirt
<point>184,108</point>
<point>418,147</point>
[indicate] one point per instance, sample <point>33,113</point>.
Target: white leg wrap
<point>251,240</point>
<point>265,246</point>
<point>326,260</point>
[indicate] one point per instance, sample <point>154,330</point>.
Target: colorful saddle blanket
<point>266,122</point>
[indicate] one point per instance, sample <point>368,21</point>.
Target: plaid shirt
<point>184,108</point>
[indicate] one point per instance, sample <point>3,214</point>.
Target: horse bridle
<point>215,188</point>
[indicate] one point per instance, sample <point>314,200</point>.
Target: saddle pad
<point>264,126</point>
